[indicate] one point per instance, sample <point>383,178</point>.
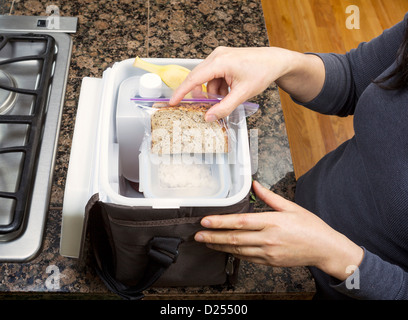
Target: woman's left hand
<point>287,237</point>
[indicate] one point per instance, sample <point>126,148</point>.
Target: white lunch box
<point>102,162</point>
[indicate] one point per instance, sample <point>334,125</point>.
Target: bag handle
<point>162,252</point>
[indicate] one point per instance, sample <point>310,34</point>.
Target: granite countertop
<point>111,31</point>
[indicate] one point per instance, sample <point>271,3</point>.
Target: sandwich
<point>183,129</point>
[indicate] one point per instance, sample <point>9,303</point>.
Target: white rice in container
<point>186,176</point>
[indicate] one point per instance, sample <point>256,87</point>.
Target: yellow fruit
<point>172,75</point>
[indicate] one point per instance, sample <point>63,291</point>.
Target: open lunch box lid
<point>95,164</point>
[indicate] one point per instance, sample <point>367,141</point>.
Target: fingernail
<point>210,118</point>
<point>199,237</point>
<point>205,223</point>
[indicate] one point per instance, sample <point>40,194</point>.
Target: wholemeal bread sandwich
<point>183,129</point>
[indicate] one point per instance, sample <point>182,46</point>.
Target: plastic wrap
<point>181,129</point>
<point>249,108</point>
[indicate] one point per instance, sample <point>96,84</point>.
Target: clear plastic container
<point>184,176</point>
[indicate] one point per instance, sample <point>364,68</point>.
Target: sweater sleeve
<point>347,75</point>
<point>375,279</point>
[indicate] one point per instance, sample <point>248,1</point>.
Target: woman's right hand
<point>246,71</point>
<point>287,236</point>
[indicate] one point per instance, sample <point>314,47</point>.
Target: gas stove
<point>34,64</point>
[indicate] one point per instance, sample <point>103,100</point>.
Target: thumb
<point>272,199</point>
<point>225,107</point>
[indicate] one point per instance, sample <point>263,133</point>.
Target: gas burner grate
<point>34,121</point>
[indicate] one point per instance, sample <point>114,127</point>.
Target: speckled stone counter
<point>110,31</point>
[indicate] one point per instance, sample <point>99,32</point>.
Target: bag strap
<point>162,252</point>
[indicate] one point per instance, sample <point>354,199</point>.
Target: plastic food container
<point>184,176</point>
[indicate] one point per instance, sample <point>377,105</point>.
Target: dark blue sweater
<point>361,188</point>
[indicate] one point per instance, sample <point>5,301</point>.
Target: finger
<point>222,109</point>
<point>224,88</point>
<point>242,251</point>
<point>197,92</point>
<point>214,86</point>
<point>240,221</point>
<point>199,75</point>
<point>234,238</point>
<point>218,86</point>
<point>272,199</point>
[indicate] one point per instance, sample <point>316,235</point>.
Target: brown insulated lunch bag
<point>135,248</point>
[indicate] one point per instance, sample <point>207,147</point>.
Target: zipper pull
<point>229,267</point>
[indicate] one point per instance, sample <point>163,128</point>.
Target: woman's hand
<point>249,71</point>
<point>246,71</point>
<point>287,237</point>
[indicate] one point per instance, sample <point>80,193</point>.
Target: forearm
<point>339,256</point>
<point>304,76</point>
